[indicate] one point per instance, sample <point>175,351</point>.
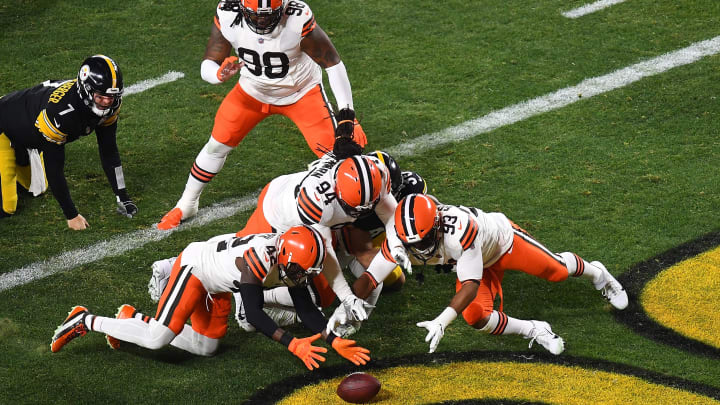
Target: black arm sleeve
<point>110,157</point>
<point>309,314</point>
<point>54,159</point>
<point>253,301</point>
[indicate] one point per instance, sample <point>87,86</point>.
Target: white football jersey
<point>309,198</point>
<point>276,70</point>
<point>471,238</point>
<point>213,261</point>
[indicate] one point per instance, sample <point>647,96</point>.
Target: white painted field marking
<point>168,77</point>
<point>590,8</point>
<point>496,119</point>
<point>121,244</point>
<point>561,98</point>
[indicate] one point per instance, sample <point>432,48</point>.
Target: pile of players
<point>347,211</point>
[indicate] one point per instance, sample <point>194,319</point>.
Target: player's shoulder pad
<point>260,254</point>
<point>460,227</point>
<point>223,18</point>
<point>310,201</point>
<point>299,17</point>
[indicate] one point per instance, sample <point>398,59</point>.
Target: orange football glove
<point>308,353</point>
<point>346,348</point>
<point>229,67</point>
<point>359,135</point>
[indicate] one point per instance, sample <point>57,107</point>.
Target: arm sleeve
<point>208,71</point>
<point>306,310</point>
<point>54,158</point>
<point>340,85</point>
<point>110,159</point>
<point>252,296</point>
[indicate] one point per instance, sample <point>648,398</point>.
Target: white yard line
<point>496,119</point>
<point>590,8</point>
<point>139,87</point>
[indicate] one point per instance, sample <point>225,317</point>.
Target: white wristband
<point>447,316</point>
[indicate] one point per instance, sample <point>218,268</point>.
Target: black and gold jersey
<point>46,117</point>
<point>49,112</point>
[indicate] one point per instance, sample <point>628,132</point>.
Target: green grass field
<point>620,177</point>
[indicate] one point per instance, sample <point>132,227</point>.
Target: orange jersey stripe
<point>308,27</point>
<point>217,22</point>
<point>254,263</point>
<point>385,249</point>
<point>468,237</point>
<point>372,279</point>
<point>308,207</point>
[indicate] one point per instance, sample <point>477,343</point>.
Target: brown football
<point>358,387</point>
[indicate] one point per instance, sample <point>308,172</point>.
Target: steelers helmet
<point>100,74</point>
<point>393,168</point>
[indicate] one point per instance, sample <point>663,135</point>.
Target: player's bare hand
<point>78,223</point>
<point>229,68</point>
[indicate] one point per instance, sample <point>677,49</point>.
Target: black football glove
<point>125,206</point>
<point>345,123</point>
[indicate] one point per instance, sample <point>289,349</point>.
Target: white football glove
<point>401,258</point>
<point>355,308</point>
<point>340,325</point>
<point>436,327</point>
<point>339,317</point>
<point>435,333</point>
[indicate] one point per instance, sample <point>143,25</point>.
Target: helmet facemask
<point>294,275</point>
<point>425,248</point>
<point>260,17</point>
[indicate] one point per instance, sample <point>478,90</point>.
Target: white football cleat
<point>543,334</point>
<point>611,288</point>
<point>240,314</point>
<point>161,270</point>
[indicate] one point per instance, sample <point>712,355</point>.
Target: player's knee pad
<point>475,314</point>
<point>212,156</point>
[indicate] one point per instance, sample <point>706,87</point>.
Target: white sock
<point>501,324</point>
<point>578,267</point>
<point>208,163</point>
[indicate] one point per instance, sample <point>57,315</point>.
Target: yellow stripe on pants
<point>8,176</point>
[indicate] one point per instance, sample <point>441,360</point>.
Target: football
<point>358,388</point>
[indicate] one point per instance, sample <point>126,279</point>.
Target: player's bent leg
<point>8,178</point>
<point>313,116</point>
<point>150,335</point>
<point>195,343</point>
<point>207,165</point>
